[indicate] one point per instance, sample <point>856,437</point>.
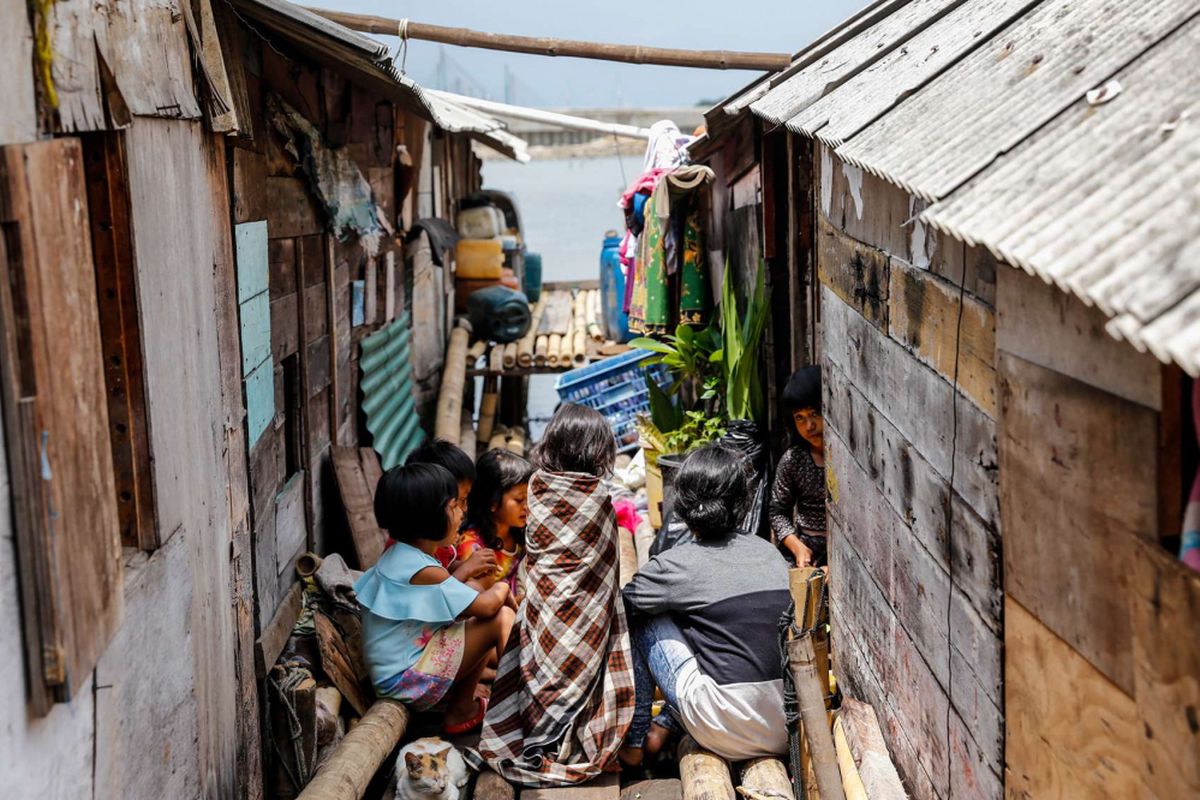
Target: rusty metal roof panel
<point>1104,200</point>
<point>956,125</point>
<point>840,63</point>
<point>840,114</point>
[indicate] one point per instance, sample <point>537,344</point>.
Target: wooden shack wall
<point>1101,623</point>
<point>917,592</point>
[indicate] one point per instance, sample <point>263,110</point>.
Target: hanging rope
<point>402,48</point>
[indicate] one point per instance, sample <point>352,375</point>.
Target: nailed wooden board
<point>855,272</point>
<point>867,208</point>
<point>1165,605</point>
<point>914,591</point>
<point>357,472</point>
<point>880,662</point>
<point>1071,732</point>
<point>1077,488</point>
<point>73,536</point>
<point>338,663</point>
<point>556,313</point>
<point>291,529</point>
<point>919,496</point>
<point>916,399</point>
<point>1053,329</point>
<point>292,210</point>
<point>250,196</point>
<point>924,317</point>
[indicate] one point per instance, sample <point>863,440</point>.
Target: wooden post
<point>487,409</point>
<point>704,776</point>
<point>545,46</point>
<point>450,397</point>
<point>355,761</point>
<point>865,741</point>
<point>766,779</point>
<point>810,693</point>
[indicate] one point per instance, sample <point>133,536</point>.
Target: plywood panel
<point>19,121</point>
<point>1077,487</point>
<point>916,400</point>
<point>857,273</point>
<point>1071,731</point>
<point>1053,329</point>
<point>1166,669</point>
<point>924,317</point>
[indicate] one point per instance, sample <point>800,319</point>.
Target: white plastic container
<point>485,222</point>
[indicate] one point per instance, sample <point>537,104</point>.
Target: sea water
<point>566,206</point>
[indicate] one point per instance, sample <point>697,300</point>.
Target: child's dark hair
<point>411,501</point>
<point>578,439</point>
<point>497,472</point>
<point>803,389</point>
<point>711,491</point>
<point>446,455</point>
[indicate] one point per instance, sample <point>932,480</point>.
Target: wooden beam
<point>275,635</point>
<point>863,737</point>
<point>569,48</point>
<point>704,776</point>
<point>354,762</point>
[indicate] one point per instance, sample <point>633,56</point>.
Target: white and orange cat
<point>430,769</point>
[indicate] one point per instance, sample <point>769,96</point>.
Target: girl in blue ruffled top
<point>426,635</point>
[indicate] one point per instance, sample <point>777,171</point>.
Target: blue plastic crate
<point>616,387</point>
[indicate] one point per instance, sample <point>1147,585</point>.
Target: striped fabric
<point>563,696</point>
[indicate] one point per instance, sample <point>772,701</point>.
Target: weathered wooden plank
<point>855,272</point>
<point>316,311</point>
<point>1071,732</point>
<point>961,652</point>
<point>255,316</point>
<point>292,211</point>
<point>76,540</point>
<point>318,422</point>
<point>919,496</point>
<point>291,528</point>
<point>1166,669</point>
<point>285,327</point>
<point>917,401</point>
<point>357,473</point>
<point>899,683</point>
<point>260,400</point>
<point>924,317</point>
<point>319,366</point>
<point>868,208</point>
<point>1053,329</point>
<point>19,123</point>
<point>250,197</point>
<point>605,787</point>
<point>1073,507</point>
<point>282,256</point>
<point>275,633</point>
<point>266,570</point>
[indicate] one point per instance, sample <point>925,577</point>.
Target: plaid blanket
<point>563,696</point>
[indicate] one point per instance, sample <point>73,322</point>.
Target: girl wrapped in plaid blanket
<point>564,691</point>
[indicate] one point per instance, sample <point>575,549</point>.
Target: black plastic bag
<point>745,437</point>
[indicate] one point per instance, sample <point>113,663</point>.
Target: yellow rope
<point>45,49</point>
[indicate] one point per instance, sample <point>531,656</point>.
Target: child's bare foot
<point>657,739</point>
<point>630,756</point>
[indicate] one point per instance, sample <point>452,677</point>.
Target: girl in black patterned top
<point>797,508</point>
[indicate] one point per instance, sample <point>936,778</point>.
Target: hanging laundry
<point>649,307</point>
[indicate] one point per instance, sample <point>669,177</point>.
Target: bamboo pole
<point>499,437</point>
<point>569,48</point>
<point>554,118</point>
<point>541,351</point>
<point>477,350</point>
<point>454,375</point>
<point>852,783</point>
<point>594,328</point>
<point>357,758</point>
<point>466,434</point>
<point>810,692</point>
<point>525,346</point>
<point>627,564</point>
<point>579,348</point>
<point>860,726</point>
<point>516,440</point>
<point>487,409</point>
<point>510,355</point>
<point>553,349</point>
<point>496,359</point>
<point>702,775</point>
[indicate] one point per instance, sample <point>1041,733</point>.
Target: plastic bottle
<point>612,289</point>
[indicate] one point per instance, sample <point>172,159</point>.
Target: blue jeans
<point>659,654</point>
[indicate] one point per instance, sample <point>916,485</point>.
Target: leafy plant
<point>697,430</point>
<point>741,332</point>
<point>688,356</point>
<point>665,413</point>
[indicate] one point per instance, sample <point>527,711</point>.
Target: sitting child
<point>497,510</point>
<point>427,635</point>
<point>563,695</point>
<point>460,465</point>
<point>704,620</point>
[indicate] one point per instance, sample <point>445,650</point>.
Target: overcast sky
<point>761,25</point>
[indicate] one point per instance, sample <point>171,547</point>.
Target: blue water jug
<point>612,289</point>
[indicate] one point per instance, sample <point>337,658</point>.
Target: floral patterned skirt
<point>425,683</point>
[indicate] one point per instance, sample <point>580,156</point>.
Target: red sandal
<point>471,724</point>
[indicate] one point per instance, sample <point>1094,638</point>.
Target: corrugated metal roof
<point>1002,92</point>
<point>387,388</point>
<point>1105,202</point>
<point>879,87</point>
<point>809,84</point>
<point>482,127</point>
